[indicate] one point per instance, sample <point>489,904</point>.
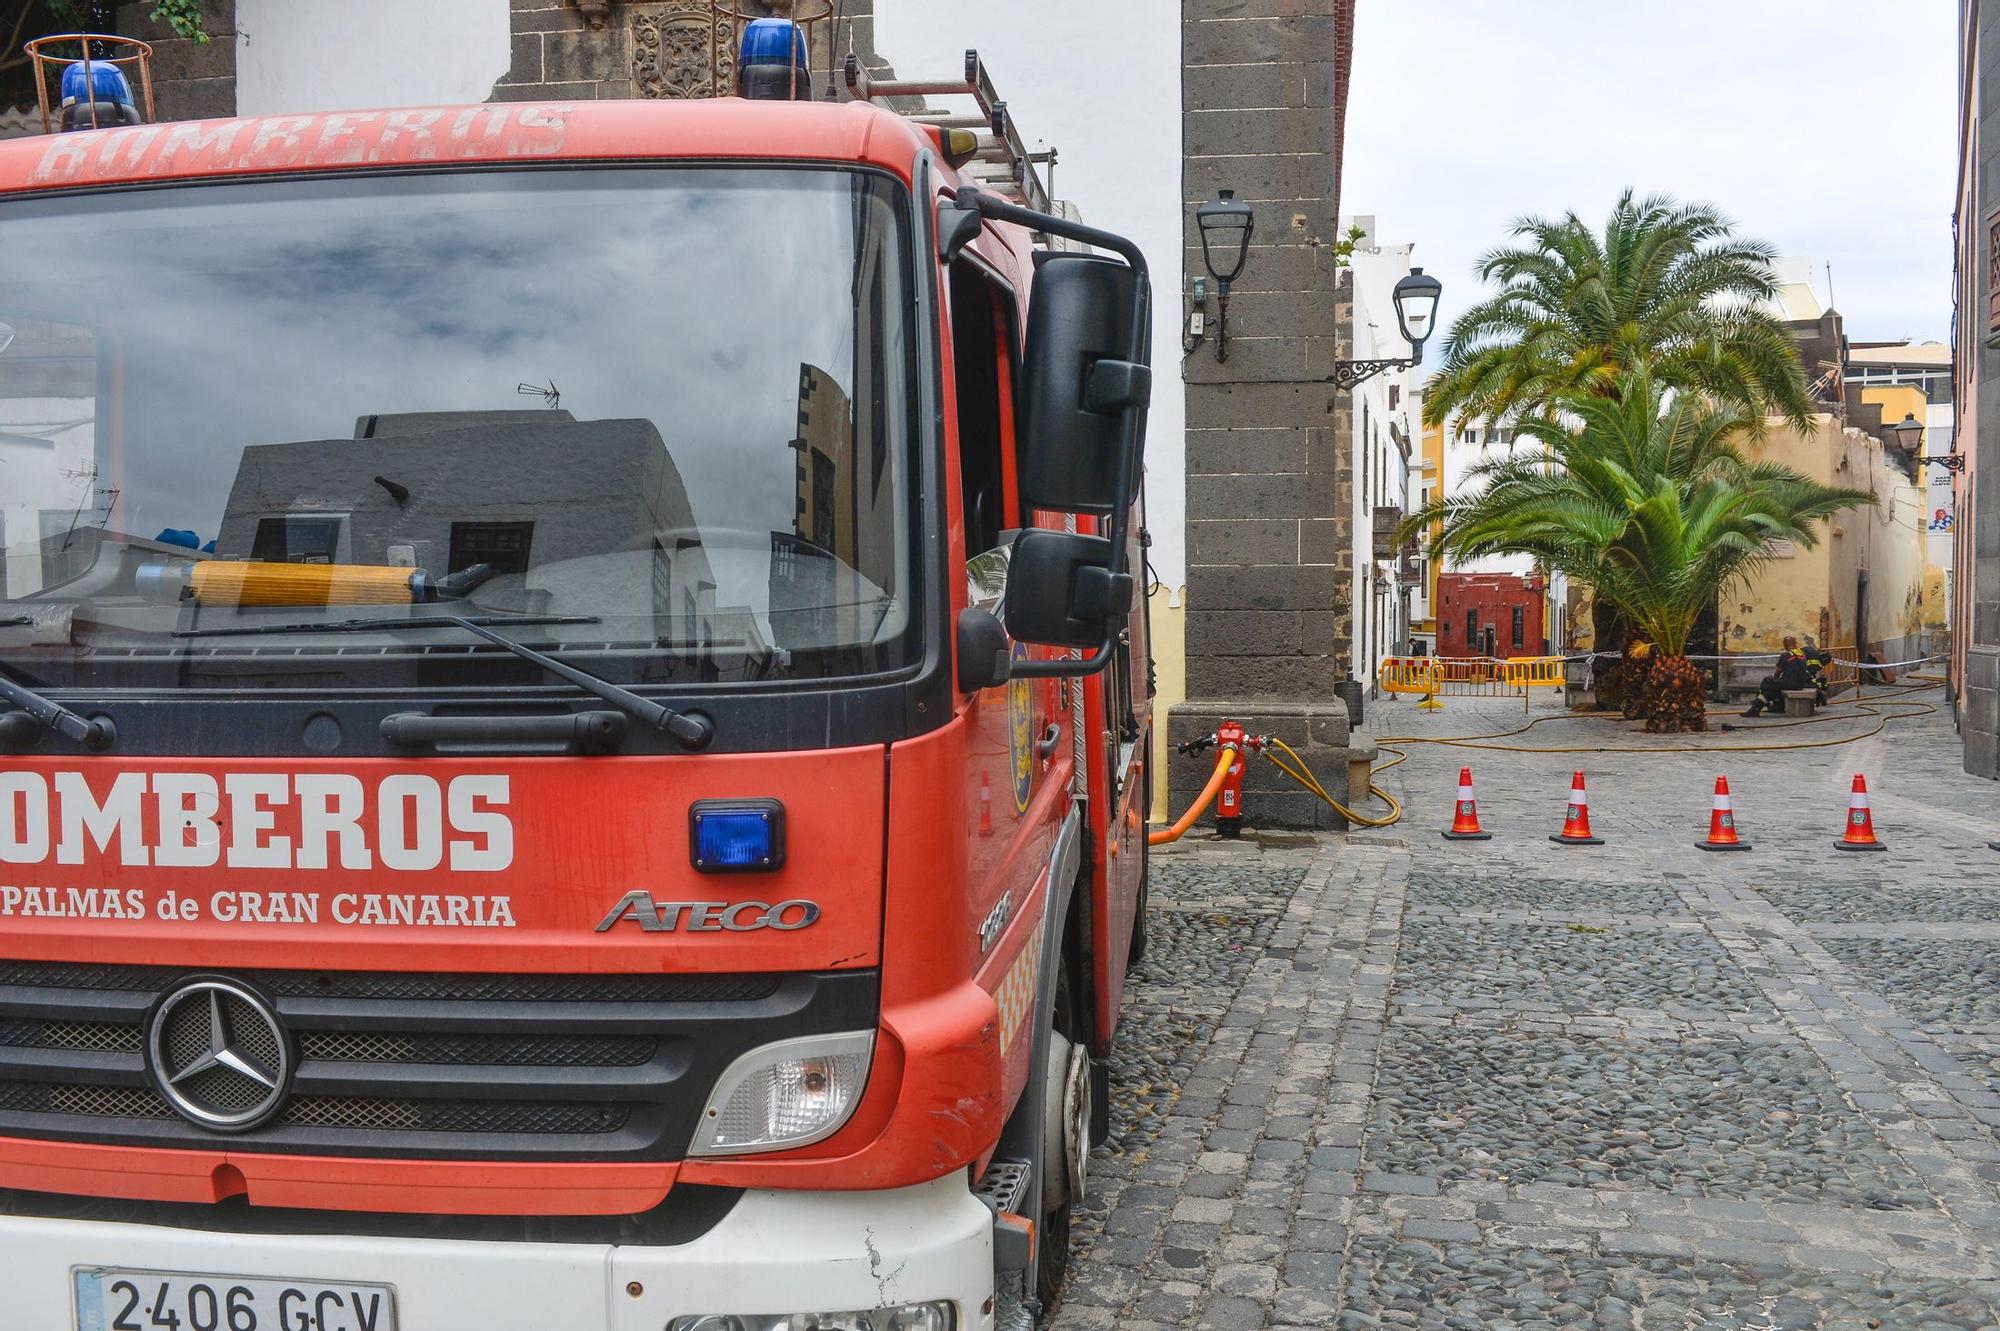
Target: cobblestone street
<point>1389,1080</point>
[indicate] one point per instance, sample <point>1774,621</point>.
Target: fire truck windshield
<point>667,412</point>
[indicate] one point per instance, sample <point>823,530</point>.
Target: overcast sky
<point>1823,126</point>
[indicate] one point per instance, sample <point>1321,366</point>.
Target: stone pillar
<point>1979,706</point>
<point>1270,479</point>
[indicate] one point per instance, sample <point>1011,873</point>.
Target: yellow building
<point>1868,585</point>
<point>1426,483</point>
<point>1166,610</point>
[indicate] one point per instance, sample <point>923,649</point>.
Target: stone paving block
<point>1441,1231</point>
<point>1224,1312</point>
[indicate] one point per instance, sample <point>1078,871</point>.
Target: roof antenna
<point>1831,303</point>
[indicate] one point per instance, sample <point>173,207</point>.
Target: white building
<point>1381,449</point>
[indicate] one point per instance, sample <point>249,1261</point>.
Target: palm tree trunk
<point>1610,678</point>
<point>1638,662</point>
<point>1677,697</point>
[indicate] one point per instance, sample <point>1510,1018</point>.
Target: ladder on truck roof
<point>1003,163</point>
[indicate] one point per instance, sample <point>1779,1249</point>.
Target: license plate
<point>109,1299</point>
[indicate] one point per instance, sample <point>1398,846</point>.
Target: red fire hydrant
<point>1229,804</point>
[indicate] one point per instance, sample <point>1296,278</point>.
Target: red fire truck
<point>572,720</point>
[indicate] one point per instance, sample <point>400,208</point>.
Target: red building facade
<point>1492,614</point>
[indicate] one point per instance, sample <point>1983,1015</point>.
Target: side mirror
<point>985,657</point>
<point>1061,590</point>
<point>1086,381</point>
<point>1077,384</point>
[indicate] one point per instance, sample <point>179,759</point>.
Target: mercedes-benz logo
<point>220,1055</point>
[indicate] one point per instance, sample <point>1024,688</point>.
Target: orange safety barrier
<point>1409,674</point>
<point>1534,672</point>
<point>1468,676</point>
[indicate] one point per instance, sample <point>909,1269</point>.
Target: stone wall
<point>191,80</point>
<point>561,50</point>
<point>569,51</point>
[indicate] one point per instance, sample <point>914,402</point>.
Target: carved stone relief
<point>672,49</point>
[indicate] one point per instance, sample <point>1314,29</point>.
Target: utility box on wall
<point>1492,614</point>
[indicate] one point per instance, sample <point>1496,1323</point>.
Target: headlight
<point>791,1093</point>
<point>909,1317</point>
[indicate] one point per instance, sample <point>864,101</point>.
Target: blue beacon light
<point>103,85</point>
<point>736,836</point>
<point>772,65</point>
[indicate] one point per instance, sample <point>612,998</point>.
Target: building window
<point>1993,271</point>
<point>1520,627</point>
<point>1471,630</point>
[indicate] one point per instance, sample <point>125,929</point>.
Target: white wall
<point>1102,84</point>
<point>1379,629</point>
<point>1464,450</point>
<point>338,55</point>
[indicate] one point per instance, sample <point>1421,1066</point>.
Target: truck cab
<point>572,721</point>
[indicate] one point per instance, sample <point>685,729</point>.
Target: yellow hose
<point>1863,709</point>
<point>1201,802</point>
<point>1303,775</point>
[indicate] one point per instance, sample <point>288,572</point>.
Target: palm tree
<point>1667,289</point>
<point>1643,495</point>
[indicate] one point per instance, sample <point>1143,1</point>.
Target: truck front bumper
<point>775,1252</point>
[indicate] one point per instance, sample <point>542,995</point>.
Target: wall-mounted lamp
<point>1226,224</point>
<point>1416,298</point>
<point>1909,432</point>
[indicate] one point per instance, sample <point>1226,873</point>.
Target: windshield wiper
<point>384,625</point>
<point>692,732</point>
<point>96,734</point>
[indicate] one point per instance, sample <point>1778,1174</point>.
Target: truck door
<point>1020,746</point>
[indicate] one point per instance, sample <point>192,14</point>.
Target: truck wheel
<point>1065,1142</point>
<point>1137,952</point>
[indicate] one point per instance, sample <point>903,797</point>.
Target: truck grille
<point>529,1067</point>
<point>330,1111</point>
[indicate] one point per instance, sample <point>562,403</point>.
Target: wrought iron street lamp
<point>1909,432</point>
<point>1416,298</point>
<point>1226,224</point>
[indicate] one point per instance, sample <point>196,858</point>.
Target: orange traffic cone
<point>1576,823</point>
<point>1722,822</point>
<point>1860,833</point>
<point>985,805</point>
<point>1465,815</point>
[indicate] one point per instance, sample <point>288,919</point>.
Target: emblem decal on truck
<point>702,917</point>
<point>220,1055</point>
<point>1021,733</point>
